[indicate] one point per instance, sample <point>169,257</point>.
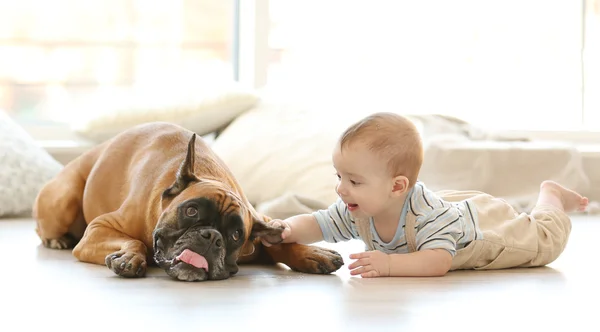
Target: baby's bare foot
<point>570,199</point>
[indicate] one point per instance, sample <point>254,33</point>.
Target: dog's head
<point>203,226</point>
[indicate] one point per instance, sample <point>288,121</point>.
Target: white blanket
<point>281,154</point>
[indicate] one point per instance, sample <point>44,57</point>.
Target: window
<point>500,64</point>
<point>520,65</point>
<point>55,53</point>
<point>591,63</point>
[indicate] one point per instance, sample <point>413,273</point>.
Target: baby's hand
<point>287,231</point>
<point>370,264</point>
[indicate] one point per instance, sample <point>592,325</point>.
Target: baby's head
<point>392,139</point>
<point>377,158</point>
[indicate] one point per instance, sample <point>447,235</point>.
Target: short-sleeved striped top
<point>440,224</point>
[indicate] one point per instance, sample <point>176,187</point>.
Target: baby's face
<point>364,183</point>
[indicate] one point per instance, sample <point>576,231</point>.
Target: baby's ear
<point>400,185</point>
<point>268,231</point>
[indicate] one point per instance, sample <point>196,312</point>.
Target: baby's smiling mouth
<point>352,206</point>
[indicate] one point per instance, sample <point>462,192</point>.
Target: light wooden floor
<point>48,290</point>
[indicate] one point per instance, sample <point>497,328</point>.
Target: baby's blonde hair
<point>392,137</point>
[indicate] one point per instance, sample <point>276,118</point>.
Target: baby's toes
<point>583,204</point>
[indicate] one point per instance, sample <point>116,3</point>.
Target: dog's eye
<point>191,211</point>
<point>236,235</point>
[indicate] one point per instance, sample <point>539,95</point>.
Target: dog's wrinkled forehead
<point>223,197</point>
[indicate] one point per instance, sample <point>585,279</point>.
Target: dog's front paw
<point>127,264</point>
<point>317,260</point>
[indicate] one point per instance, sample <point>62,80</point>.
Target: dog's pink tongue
<point>194,259</point>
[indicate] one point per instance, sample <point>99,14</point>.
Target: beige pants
<point>509,239</point>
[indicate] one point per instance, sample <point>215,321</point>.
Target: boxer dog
<point>156,194</point>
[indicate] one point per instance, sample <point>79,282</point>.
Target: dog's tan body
<point>109,202</point>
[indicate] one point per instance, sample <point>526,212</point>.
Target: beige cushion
<point>280,148</point>
<point>511,170</point>
<point>200,107</point>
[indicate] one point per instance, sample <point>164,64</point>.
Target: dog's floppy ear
<point>185,174</point>
<point>266,231</point>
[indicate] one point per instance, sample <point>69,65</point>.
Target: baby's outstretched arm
<point>302,229</point>
<point>424,263</point>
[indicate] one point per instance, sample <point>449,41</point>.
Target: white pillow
<point>282,148</point>
<point>24,168</point>
<point>200,107</point>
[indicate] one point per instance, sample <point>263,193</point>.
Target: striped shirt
<point>439,224</point>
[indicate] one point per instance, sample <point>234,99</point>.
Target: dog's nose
<point>213,237</point>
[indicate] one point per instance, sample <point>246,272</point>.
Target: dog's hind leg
<point>58,209</point>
